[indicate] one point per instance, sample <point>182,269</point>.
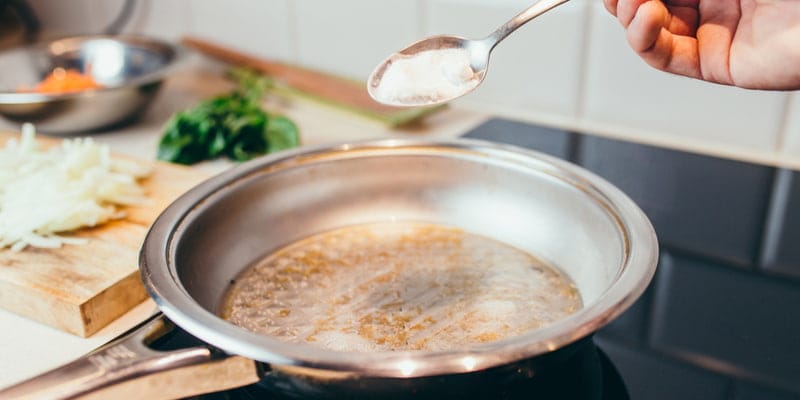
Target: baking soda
<point>427,77</point>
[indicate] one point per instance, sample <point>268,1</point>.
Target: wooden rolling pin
<point>330,89</point>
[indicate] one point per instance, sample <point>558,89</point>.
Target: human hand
<point>752,44</point>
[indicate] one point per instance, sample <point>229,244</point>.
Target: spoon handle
<point>538,8</point>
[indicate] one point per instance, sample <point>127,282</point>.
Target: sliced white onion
<point>64,188</point>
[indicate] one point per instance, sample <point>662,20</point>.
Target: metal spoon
<point>441,68</point>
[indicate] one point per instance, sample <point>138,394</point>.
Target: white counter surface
<point>28,348</point>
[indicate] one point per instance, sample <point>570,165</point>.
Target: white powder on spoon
<point>427,77</point>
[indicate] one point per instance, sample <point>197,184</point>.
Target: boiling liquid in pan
<point>398,286</point>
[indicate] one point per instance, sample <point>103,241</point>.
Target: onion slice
<point>47,191</point>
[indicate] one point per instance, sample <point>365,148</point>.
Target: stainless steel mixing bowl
<point>131,70</point>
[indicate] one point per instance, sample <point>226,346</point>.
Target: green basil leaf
<point>233,125</point>
<point>281,133</point>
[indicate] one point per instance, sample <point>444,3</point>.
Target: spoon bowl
<point>441,68</point>
<point>430,71</point>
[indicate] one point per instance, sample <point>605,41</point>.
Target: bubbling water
<point>398,286</point>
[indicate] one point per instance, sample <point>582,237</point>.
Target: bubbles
<point>398,286</point>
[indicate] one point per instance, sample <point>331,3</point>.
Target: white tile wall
<point>571,67</point>
<point>259,27</point>
<point>350,37</point>
<point>622,90</point>
<point>167,19</point>
<point>534,69</point>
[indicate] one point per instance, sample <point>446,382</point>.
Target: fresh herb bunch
<point>232,125</point>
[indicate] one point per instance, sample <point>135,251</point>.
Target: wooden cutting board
<point>81,288</point>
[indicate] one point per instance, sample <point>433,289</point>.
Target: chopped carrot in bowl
<point>62,81</point>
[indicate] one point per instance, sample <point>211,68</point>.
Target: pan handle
<point>128,368</point>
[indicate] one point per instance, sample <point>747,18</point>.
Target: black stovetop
<point>567,385</point>
<point>587,374</point>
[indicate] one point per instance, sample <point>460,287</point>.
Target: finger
<point>675,54</point>
<point>718,21</point>
<point>611,6</point>
<point>683,14</point>
<point>666,51</point>
<point>645,25</point>
<point>683,20</point>
<point>626,10</point>
<point>682,3</point>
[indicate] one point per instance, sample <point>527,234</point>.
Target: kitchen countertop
<point>29,348</point>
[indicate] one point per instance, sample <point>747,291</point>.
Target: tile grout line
<point>422,15</point>
<point>294,51</point>
<point>783,126</point>
<point>588,24</point>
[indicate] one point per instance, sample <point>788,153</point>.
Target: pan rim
<point>160,275</point>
